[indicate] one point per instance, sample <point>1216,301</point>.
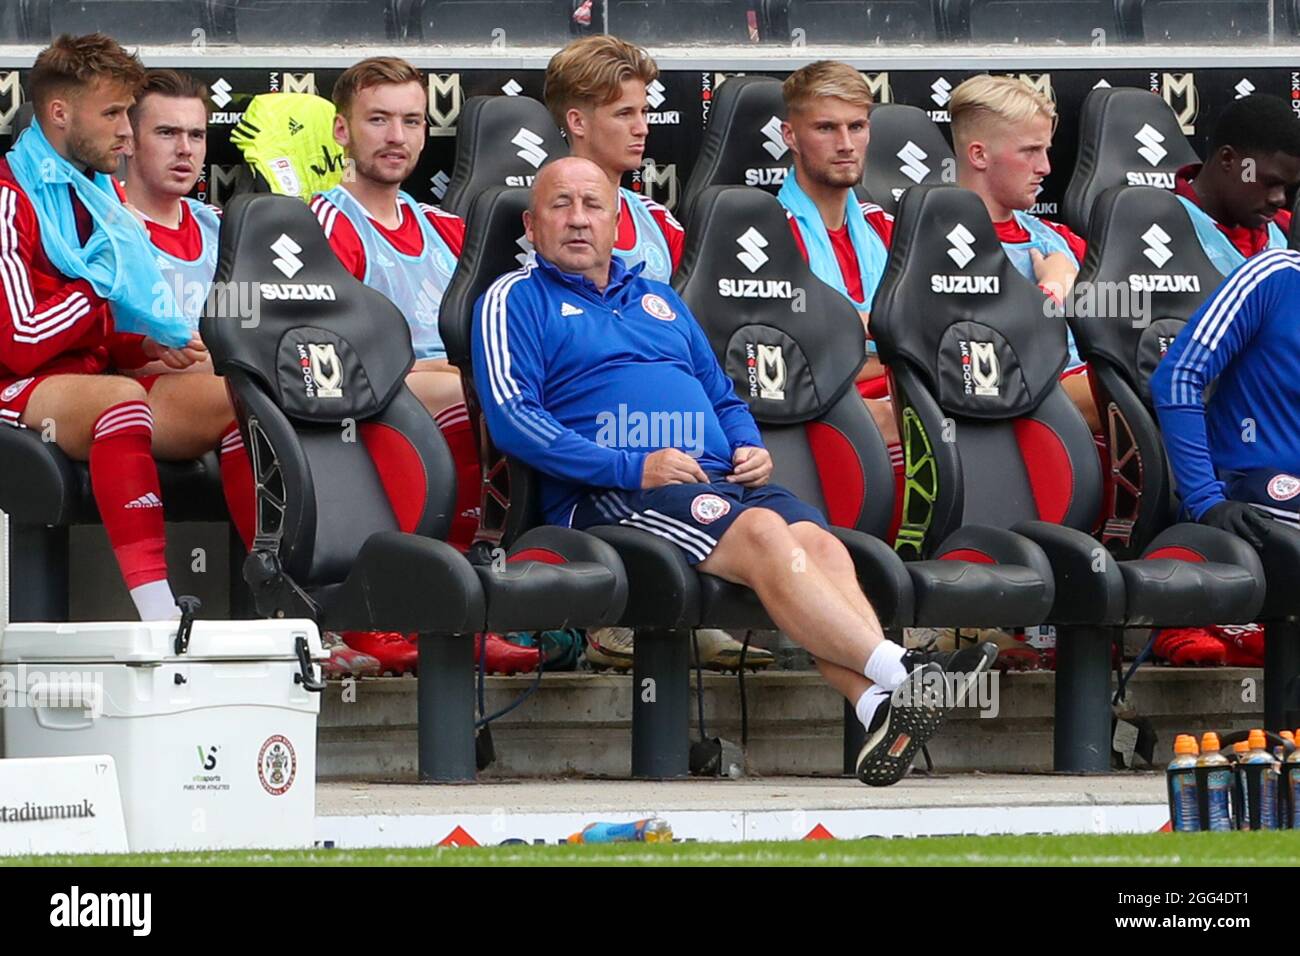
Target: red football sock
<point>124,480</point>
<point>459,433</point>
<point>237,483</point>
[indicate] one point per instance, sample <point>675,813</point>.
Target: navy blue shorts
<point>694,517</point>
<point>1276,492</point>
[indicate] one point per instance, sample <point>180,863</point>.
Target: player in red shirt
<point>408,251</point>
<point>596,92</point>
<point>1001,131</point>
<point>1237,200</point>
<point>169,124</point>
<point>58,346</point>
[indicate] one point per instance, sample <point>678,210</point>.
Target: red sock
<point>124,480</point>
<point>459,433</point>
<point>237,483</point>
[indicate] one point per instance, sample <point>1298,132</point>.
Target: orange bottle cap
<point>1209,741</point>
<point>1184,744</point>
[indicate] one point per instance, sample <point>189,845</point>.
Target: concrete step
<point>579,724</point>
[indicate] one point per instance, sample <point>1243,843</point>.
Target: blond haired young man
<point>596,92</point>
<point>1001,131</point>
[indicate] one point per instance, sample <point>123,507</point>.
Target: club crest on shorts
<point>658,307</point>
<point>12,391</point>
<point>707,509</point>
<point>1283,487</point>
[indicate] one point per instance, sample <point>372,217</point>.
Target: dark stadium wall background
<point>680,110</point>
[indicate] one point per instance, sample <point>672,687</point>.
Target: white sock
<point>885,666</point>
<point>155,602</point>
<point>869,702</point>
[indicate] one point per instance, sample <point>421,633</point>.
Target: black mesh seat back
<point>743,144</point>
<point>481,21</point>
<point>792,346</point>
<point>318,363</point>
<point>906,149</point>
<point>976,358</point>
<point>130,21</point>
<point>500,141</point>
<point>1147,274</point>
<point>1035,21</point>
<point>280,21</point>
<point>1127,137</point>
<point>1207,21</point>
<point>864,21</point>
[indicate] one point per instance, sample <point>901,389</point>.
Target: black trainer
<point>962,666</point>
<point>901,725</point>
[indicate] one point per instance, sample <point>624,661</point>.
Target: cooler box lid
<point>153,642</point>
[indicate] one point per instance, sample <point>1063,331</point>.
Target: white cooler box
<point>215,746</point>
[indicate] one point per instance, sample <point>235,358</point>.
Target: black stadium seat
<point>1197,22</point>
<point>350,526</point>
<point>975,367</point>
<point>129,21</point>
<point>500,141</point>
<point>1144,234</point>
<point>514,22</point>
<point>743,145</point>
<point>682,21</point>
<point>1038,21</point>
<point>267,22</point>
<point>906,149</point>
<point>859,22</point>
<point>1127,137</point>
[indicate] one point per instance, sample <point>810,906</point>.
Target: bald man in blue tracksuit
<point>603,382</point>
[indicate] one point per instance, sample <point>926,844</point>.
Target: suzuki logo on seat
<point>751,245</point>
<point>1244,89</point>
<point>775,145</point>
<point>961,239</point>
<point>286,260</point>
<point>220,93</point>
<point>1157,249</point>
<point>511,87</point>
<point>942,88</point>
<point>914,167</point>
<point>530,147</point>
<point>654,94</point>
<point>1150,148</point>
<point>439,182</point>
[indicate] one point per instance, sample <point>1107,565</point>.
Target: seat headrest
<point>494,245</point>
<point>284,310</point>
<point>906,149</point>
<point>952,306</point>
<point>1143,257</point>
<point>500,141</point>
<point>1127,137</point>
<point>743,144</point>
<point>792,344</point>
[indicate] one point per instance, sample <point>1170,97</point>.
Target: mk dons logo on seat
<point>771,373</point>
<point>286,260</point>
<point>913,157</point>
<point>1179,91</point>
<point>981,374</point>
<point>11,94</point>
<point>322,373</point>
<point>445,101</point>
<point>530,147</point>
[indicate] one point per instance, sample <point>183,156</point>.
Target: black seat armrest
<point>1089,585</point>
